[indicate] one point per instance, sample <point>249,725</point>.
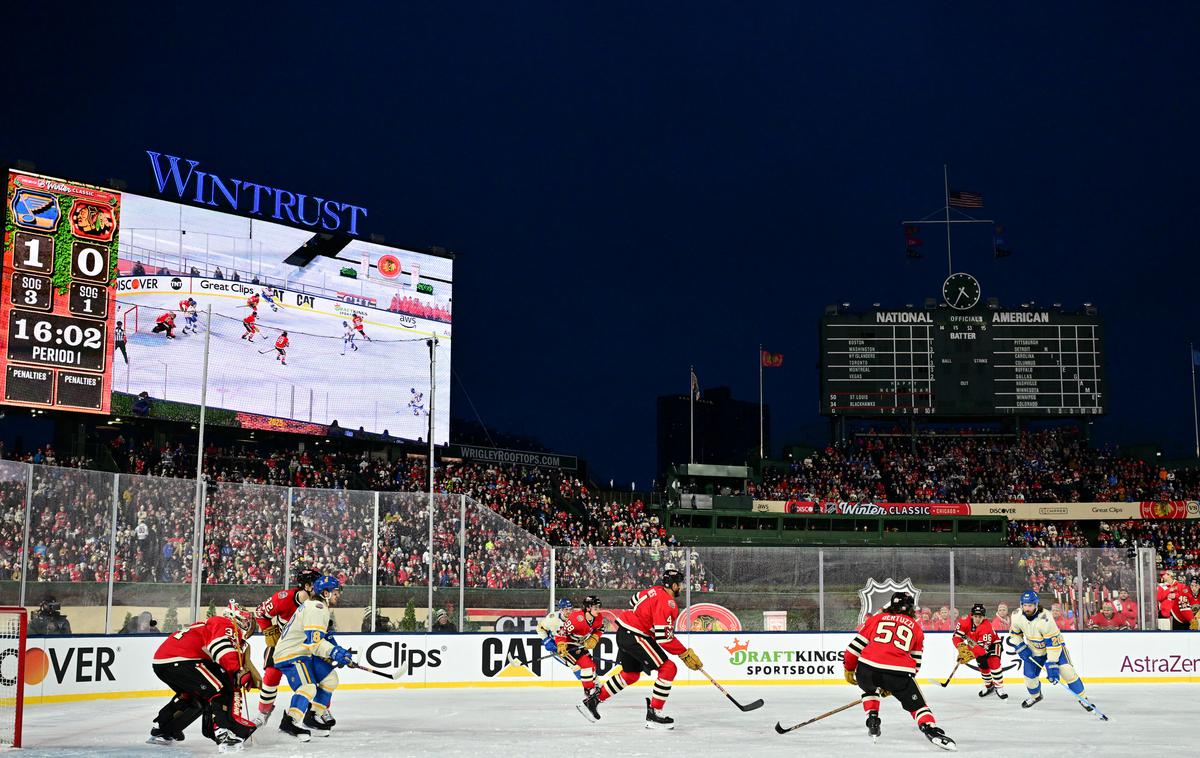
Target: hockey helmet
<point>563,604</point>
<point>978,610</point>
<point>1029,597</point>
<point>326,584</point>
<point>902,603</point>
<point>243,617</point>
<point>307,577</point>
<point>671,576</point>
<point>591,601</point>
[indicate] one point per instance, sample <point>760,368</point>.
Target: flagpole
<point>760,402</point>
<point>691,414</point>
<point>1195,417</point>
<point>946,186</point>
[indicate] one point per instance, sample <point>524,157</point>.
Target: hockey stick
<point>512,658</point>
<point>781,729</point>
<point>947,682</point>
<point>396,675</point>
<point>747,707</point>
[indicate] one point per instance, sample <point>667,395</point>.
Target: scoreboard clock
<point>56,293</point>
<point>962,360</point>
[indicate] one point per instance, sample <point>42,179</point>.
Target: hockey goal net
<point>129,318</point>
<point>14,622</point>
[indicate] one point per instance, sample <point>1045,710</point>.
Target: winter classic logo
<point>875,595</point>
<point>783,662</point>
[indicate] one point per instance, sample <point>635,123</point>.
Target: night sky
<point>630,190</point>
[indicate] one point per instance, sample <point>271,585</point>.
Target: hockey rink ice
<point>1145,719</point>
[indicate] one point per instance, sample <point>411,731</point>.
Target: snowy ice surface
<point>1146,719</point>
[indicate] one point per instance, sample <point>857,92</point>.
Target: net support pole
<point>375,563</point>
<point>287,543</point>
<point>821,589</point>
<point>687,591</point>
<point>952,605</point>
<point>112,553</point>
<point>25,539</point>
<point>1078,589</point>
<point>462,560</point>
<point>433,341</point>
<point>199,521</point>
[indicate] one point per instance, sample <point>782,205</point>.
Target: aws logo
<point>76,664</point>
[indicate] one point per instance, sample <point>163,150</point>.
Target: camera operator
<point>48,619</point>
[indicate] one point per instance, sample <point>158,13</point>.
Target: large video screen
<point>307,331</point>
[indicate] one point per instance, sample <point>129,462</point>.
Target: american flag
<point>964,199</point>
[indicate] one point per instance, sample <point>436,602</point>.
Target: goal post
<point>129,318</point>
<point>14,627</point>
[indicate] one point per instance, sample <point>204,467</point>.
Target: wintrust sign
<point>182,178</point>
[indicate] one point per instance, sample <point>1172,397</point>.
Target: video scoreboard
<point>977,362</point>
<point>56,293</point>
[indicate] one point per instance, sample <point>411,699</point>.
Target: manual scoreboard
<point>56,293</point>
<point>949,362</point>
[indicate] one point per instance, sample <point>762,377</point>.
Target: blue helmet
<point>1029,597</point>
<point>326,584</point>
<point>563,604</point>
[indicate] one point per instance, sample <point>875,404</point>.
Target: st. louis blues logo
<point>875,594</point>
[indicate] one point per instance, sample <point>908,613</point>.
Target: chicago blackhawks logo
<point>874,595</point>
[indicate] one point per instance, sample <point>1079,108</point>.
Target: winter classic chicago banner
<point>1173,509</point>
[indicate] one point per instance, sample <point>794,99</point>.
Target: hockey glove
<point>590,641</point>
<point>1024,653</point>
<point>1052,672</point>
<point>691,660</point>
<point>965,654</point>
<point>548,643</point>
<point>850,678</point>
<point>561,647</point>
<point>272,635</point>
<point>1195,623</point>
<point>341,656</point>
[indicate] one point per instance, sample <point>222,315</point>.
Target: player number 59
<point>896,634</point>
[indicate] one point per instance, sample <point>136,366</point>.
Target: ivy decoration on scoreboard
<point>57,277</point>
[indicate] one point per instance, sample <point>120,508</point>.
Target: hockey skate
<point>873,725</point>
<point>159,737</point>
<point>590,707</point>
<point>655,719</point>
<point>228,742</point>
<point>263,716</point>
<point>988,690</point>
<point>318,727</point>
<point>935,735</point>
<point>288,726</point>
<point>1000,693</point>
<point>1030,702</point>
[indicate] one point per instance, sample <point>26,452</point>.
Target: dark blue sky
<point>631,190</point>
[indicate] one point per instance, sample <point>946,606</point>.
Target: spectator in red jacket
<point>1107,618</point>
<point>1174,602</point>
<point>1126,608</point>
<point>1001,622</point>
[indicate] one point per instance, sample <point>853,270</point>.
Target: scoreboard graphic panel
<point>955,363</point>
<point>56,293</point>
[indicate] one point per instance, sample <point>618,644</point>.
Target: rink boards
<point>61,669</point>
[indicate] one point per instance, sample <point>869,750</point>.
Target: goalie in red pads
<point>645,635</point>
<point>883,659</point>
<point>975,640</point>
<point>205,665</point>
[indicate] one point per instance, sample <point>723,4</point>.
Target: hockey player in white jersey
<point>1039,643</point>
<point>265,294</point>
<point>308,657</point>
<point>348,338</point>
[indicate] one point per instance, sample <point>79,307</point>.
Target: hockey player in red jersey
<point>357,322</point>
<point>204,664</point>
<point>883,659</point>
<point>251,327</point>
<point>252,303</point>
<point>1175,602</point>
<point>976,640</point>
<point>645,635</point>
<point>272,615</point>
<point>577,637</point>
<point>281,345</point>
<point>166,323</point>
